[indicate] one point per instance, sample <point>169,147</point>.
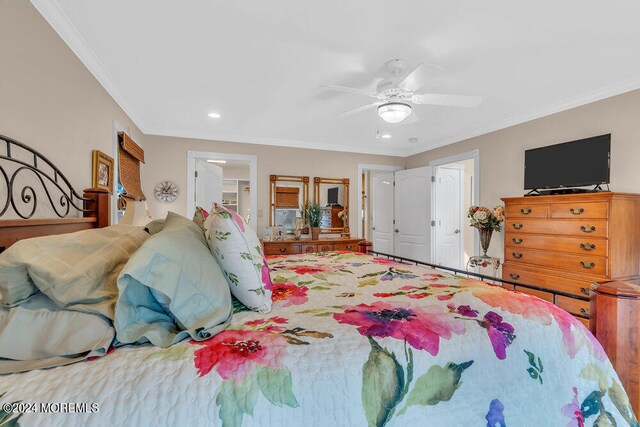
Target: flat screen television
<point>332,196</point>
<point>571,164</point>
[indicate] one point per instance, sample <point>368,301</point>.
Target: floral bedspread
<point>353,340</point>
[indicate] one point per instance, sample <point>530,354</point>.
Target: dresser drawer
<point>586,264</point>
<point>308,248</point>
<point>325,247</point>
<point>526,211</point>
<point>281,249</point>
<point>579,210</point>
<point>573,306</point>
<point>576,245</point>
<point>351,246</point>
<point>593,228</point>
<point>520,274</point>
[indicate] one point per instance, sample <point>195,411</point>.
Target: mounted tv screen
<point>572,164</point>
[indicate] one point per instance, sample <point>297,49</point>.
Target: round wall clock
<point>166,191</point>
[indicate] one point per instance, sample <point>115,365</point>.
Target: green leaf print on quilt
<point>246,255</point>
<point>383,384</point>
<point>275,385</point>
<point>175,352</point>
<point>536,369</point>
<point>593,403</point>
<point>437,385</point>
<point>7,419</point>
<point>621,402</point>
<point>236,399</point>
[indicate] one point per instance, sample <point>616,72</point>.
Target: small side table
<point>484,261</point>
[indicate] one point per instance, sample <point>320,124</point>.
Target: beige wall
<point>48,99</point>
<point>502,152</point>
<point>167,159</point>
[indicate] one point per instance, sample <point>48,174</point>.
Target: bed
<point>352,339</point>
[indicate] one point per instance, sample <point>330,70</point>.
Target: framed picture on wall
<point>102,171</point>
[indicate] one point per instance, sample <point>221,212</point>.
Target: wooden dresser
<point>288,247</point>
<point>568,242</point>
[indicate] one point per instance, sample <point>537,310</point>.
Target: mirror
<point>333,195</point>
<point>287,195</point>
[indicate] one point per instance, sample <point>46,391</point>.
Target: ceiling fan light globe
<point>394,112</point>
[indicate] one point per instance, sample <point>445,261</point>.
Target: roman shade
<point>287,197</point>
<point>130,155</point>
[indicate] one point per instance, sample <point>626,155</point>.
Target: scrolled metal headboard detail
<point>50,180</point>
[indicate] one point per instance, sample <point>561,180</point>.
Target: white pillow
<point>237,249</point>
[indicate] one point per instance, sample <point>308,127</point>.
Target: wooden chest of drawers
<point>288,247</point>
<point>567,242</point>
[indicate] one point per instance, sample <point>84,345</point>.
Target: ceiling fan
<point>395,95</point>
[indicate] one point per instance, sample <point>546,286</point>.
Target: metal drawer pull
<point>349,247</point>
<point>584,311</point>
<point>517,226</point>
<point>517,255</point>
<point>525,211</point>
<point>283,249</point>
<point>514,276</point>
<point>516,240</point>
<point>577,211</point>
<point>588,266</point>
<point>585,291</point>
<point>588,228</point>
<point>587,246</point>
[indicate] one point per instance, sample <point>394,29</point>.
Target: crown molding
<point>58,20</point>
<point>61,24</point>
<point>584,99</point>
<point>278,142</point>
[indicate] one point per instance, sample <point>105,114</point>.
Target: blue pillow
<point>172,288</point>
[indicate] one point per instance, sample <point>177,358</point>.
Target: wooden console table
<point>302,246</point>
<point>615,321</point>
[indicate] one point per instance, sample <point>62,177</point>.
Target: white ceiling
<point>260,63</point>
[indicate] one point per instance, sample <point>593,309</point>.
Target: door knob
<point>396,230</point>
<point>457,231</point>
<point>373,228</point>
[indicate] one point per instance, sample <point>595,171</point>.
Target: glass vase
<point>485,239</point>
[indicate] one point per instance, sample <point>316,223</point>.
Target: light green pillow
<point>172,288</point>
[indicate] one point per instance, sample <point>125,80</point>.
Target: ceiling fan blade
<point>349,90</point>
<point>413,117</point>
<point>447,100</point>
<point>414,80</point>
<point>359,109</point>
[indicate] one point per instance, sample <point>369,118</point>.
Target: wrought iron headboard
<point>28,195</point>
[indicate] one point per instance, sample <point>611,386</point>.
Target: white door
<point>208,186</point>
<point>448,215</point>
<point>382,223</point>
<point>413,213</point>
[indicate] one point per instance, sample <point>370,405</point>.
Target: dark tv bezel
<point>571,185</point>
<point>337,195</point>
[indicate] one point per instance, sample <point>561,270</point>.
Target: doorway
<point>396,211</point>
<point>366,174</point>
<point>456,188</point>
<point>226,179</point>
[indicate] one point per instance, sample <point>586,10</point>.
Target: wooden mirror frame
<point>273,180</point>
<point>344,230</point>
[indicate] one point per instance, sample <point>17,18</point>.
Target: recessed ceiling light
<point>385,136</point>
<point>214,115</point>
<point>216,161</point>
